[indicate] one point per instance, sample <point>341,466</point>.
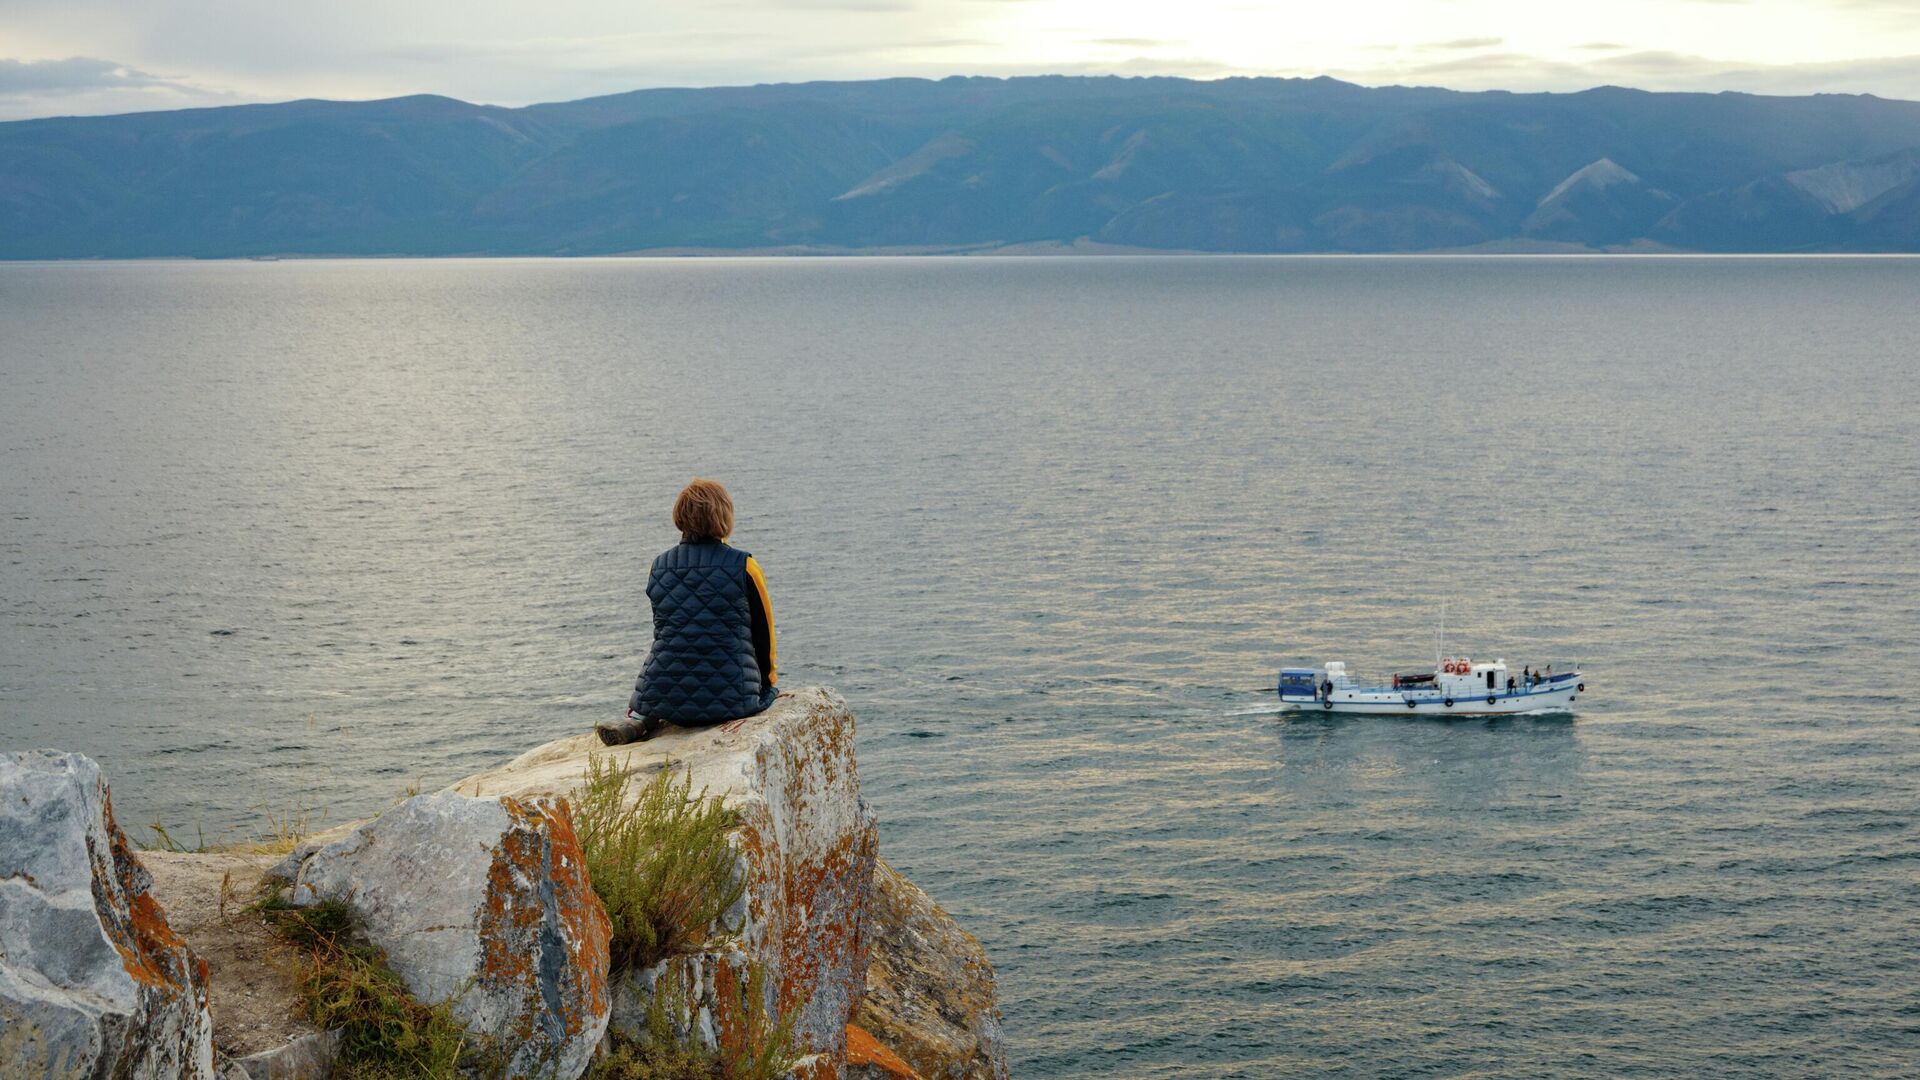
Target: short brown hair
<point>704,511</point>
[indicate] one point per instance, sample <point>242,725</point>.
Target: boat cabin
<point>1464,678</point>
<point>1304,684</point>
<point>1299,684</point>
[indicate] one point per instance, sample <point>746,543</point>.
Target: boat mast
<point>1440,636</point>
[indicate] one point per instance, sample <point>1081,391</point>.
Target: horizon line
<point>1083,77</point>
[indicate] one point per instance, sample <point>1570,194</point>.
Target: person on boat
<point>1509,684</point>
<point>713,644</point>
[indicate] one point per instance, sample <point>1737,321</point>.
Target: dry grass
<point>763,1049</point>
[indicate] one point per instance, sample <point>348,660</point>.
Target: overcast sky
<point>96,56</point>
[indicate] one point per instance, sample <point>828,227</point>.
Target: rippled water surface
<point>304,533</point>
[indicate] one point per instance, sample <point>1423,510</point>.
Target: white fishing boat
<point>1456,687</point>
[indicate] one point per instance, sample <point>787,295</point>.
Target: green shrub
<point>658,856</point>
<point>345,983</point>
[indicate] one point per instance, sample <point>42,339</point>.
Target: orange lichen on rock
<point>864,1050</point>
<point>543,932</point>
<point>809,842</point>
<point>485,904</point>
<point>146,944</point>
<point>578,906</point>
<point>152,934</point>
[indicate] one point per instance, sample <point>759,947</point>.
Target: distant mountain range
<point>1254,165</point>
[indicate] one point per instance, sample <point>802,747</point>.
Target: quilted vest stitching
<point>702,668</point>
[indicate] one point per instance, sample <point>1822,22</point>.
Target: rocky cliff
<point>476,896</point>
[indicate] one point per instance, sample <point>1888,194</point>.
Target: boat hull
<point>1544,698</point>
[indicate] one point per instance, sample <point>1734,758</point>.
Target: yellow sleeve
<point>768,668</point>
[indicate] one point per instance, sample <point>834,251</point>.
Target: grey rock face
<point>93,982</point>
<point>484,903</point>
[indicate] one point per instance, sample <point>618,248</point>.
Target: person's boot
<point>629,728</point>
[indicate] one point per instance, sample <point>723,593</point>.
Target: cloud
<point>1890,76</point>
<point>1465,43</point>
<point>88,85</point>
<point>829,5</point>
<point>1128,42</point>
<point>73,74</point>
<point>1652,69</point>
<point>577,52</point>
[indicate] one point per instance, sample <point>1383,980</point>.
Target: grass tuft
<point>164,841</point>
<point>658,856</point>
<point>345,983</point>
<point>285,830</point>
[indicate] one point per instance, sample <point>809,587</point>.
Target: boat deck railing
<point>1384,683</point>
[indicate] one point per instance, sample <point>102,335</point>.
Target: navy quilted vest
<point>702,669</point>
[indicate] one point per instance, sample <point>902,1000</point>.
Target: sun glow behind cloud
<point>96,55</point>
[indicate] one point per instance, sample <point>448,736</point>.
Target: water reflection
<point>1441,758</point>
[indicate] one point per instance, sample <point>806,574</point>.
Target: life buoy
<point>1447,667</point>
<point>1489,699</point>
<point>1582,688</point>
<point>1409,703</point>
<point>1327,703</point>
<point>1448,702</point>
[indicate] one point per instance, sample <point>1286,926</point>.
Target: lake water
<point>300,534</point>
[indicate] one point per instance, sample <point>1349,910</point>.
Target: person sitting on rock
<point>712,659</point>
